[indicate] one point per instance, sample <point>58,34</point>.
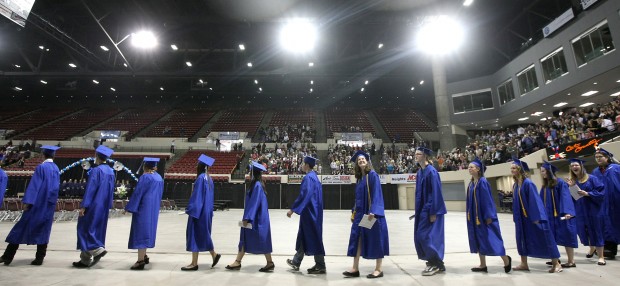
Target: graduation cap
<point>49,150</point>
<point>426,151</point>
<point>478,163</point>
<point>151,162</point>
<point>206,160</point>
<point>549,167</point>
<point>360,153</point>
<point>521,164</point>
<point>257,165</point>
<point>311,161</point>
<point>576,160</point>
<point>104,151</point>
<point>605,152</point>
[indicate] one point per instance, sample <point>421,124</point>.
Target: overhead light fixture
<point>468,2</point>
<point>591,92</point>
<point>380,46</point>
<point>362,89</point>
<point>298,35</point>
<point>144,40</point>
<point>586,104</point>
<point>561,112</point>
<point>174,47</point>
<point>42,47</point>
<point>537,113</point>
<point>161,88</point>
<point>560,104</point>
<point>312,82</point>
<point>95,81</point>
<point>255,81</point>
<point>595,82</point>
<point>412,88</point>
<point>125,64</point>
<point>366,82</point>
<point>615,94</point>
<point>43,82</point>
<point>104,48</point>
<point>523,118</point>
<point>440,35</point>
<point>310,64</point>
<point>260,88</point>
<point>241,47</point>
<point>189,64</point>
<point>249,64</point>
<point>618,80</point>
<point>17,88</point>
<point>210,88</point>
<point>112,89</point>
<point>17,66</point>
<point>421,82</point>
<point>200,81</point>
<point>311,90</point>
<point>72,65</point>
<point>543,119</point>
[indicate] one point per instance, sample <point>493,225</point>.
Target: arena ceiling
<point>208,34</point>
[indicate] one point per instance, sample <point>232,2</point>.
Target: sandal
<point>556,269</point>
<point>569,265</point>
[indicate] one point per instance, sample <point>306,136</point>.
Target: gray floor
<point>402,266</point>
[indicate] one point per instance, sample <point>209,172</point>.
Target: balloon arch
<point>85,163</point>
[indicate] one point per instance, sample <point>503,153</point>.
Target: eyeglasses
<point>599,157</point>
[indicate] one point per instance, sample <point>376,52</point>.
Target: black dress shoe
<point>479,269</point>
<point>268,268</point>
<point>5,261</point>
<point>508,267</point>
<point>238,267</point>
<point>591,255</point>
<point>216,259</point>
<point>138,266</point>
<point>315,270</point>
<point>98,257</point>
<point>370,276</point>
<point>37,262</point>
<point>79,264</point>
<point>146,259</point>
<point>193,268</point>
<point>351,274</point>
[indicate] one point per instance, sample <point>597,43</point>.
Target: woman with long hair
<point>590,219</point>
<point>200,215</point>
<point>485,237</point>
<point>534,237</point>
<point>255,234</point>
<point>370,243</point>
<point>608,171</point>
<point>560,211</point>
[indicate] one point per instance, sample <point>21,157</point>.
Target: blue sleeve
<point>535,209</point>
<point>437,205</point>
<point>196,200</point>
<point>3,182</point>
<point>36,183</point>
<point>567,206</point>
<point>253,202</point>
<point>91,187</point>
<point>377,205</point>
<point>304,197</point>
<point>486,202</point>
<point>144,184</point>
<point>597,193</point>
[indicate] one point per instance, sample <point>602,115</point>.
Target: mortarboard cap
<point>360,153</point>
<point>257,165</point>
<point>425,150</point>
<point>311,161</point>
<point>151,162</point>
<point>520,163</point>
<point>604,152</point>
<point>478,163</point>
<point>49,149</point>
<point>549,167</point>
<point>206,160</point>
<point>576,160</point>
<point>104,150</point>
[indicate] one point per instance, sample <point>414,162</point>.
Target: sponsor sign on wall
<point>295,179</point>
<point>337,179</point>
<point>403,178</point>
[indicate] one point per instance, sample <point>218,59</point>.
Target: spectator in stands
<point>608,171</point>
<point>94,210</point>
<point>256,240</point>
<point>428,227</point>
<point>373,242</point>
<point>309,207</point>
<point>200,215</point>
<point>172,146</point>
<point>534,238</point>
<point>218,144</point>
<point>482,224</point>
<point>39,201</point>
<point>144,206</point>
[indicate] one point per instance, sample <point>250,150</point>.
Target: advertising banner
<point>295,179</point>
<point>403,178</point>
<point>337,179</point>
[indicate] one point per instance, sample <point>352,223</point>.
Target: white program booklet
<point>248,226</point>
<point>367,223</point>
<point>574,191</point>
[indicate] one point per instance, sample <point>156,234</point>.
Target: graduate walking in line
<point>534,237</point>
<point>4,179</point>
<point>309,207</point>
<point>485,237</point>
<point>428,229</point>
<point>255,236</point>
<point>39,202</point>
<point>94,210</point>
<point>200,215</point>
<point>608,171</point>
<point>373,242</point>
<point>144,206</point>
<point>560,210</point>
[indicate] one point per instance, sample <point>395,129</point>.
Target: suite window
<point>506,92</point>
<point>592,44</point>
<point>472,101</point>
<point>527,80</point>
<point>554,65</point>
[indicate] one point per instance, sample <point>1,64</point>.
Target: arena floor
<point>401,268</point>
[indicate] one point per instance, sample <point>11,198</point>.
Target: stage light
<point>298,36</point>
<point>440,35</point>
<point>468,2</point>
<point>143,40</point>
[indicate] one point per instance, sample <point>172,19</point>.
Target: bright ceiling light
<point>310,64</point>
<point>255,81</point>
<point>189,64</point>
<point>104,48</point>
<point>72,65</point>
<point>241,47</point>
<point>95,81</point>
<point>125,64</point>
<point>543,119</point>
<point>468,2</point>
<point>41,47</point>
<point>161,88</point>
<point>366,82</point>
<point>440,35</point>
<point>362,89</point>
<point>174,47</point>
<point>249,64</point>
<point>591,92</point>
<point>144,40</point>
<point>615,94</point>
<point>560,104</point>
<point>260,89</point>
<point>523,118</point>
<point>200,81</point>
<point>43,82</point>
<point>586,104</point>
<point>537,113</point>
<point>561,112</point>
<point>311,82</point>
<point>311,90</point>
<point>17,88</point>
<point>17,66</point>
<point>421,82</point>
<point>298,36</point>
<point>112,89</point>
<point>412,88</point>
<point>380,46</point>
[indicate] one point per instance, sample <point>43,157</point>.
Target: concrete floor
<point>401,267</point>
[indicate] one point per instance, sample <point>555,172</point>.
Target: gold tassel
<point>477,221</point>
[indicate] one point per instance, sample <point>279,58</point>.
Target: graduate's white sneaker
<point>430,270</point>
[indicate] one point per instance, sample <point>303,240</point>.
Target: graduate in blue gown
<point>485,237</point>
<point>4,179</point>
<point>95,209</point>
<point>428,229</point>
<point>590,211</point>
<point>309,207</point>
<point>40,198</point>
<point>256,240</point>
<point>370,243</point>
<point>200,215</point>
<point>608,171</point>
<point>144,206</point>
<point>534,237</point>
<point>560,210</point>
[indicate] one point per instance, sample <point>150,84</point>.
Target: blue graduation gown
<point>558,202</point>
<point>590,218</point>
<point>4,179</point>
<point>144,205</point>
<point>484,238</point>
<point>428,238</point>
<point>611,203</point>
<point>533,239</point>
<point>35,225</point>
<point>309,207</point>
<point>91,228</point>
<point>258,239</point>
<point>200,215</point>
<point>375,241</point>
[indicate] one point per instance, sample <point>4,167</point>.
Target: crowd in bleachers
<point>339,157</point>
<point>284,159</point>
<point>15,154</point>
<point>290,132</point>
